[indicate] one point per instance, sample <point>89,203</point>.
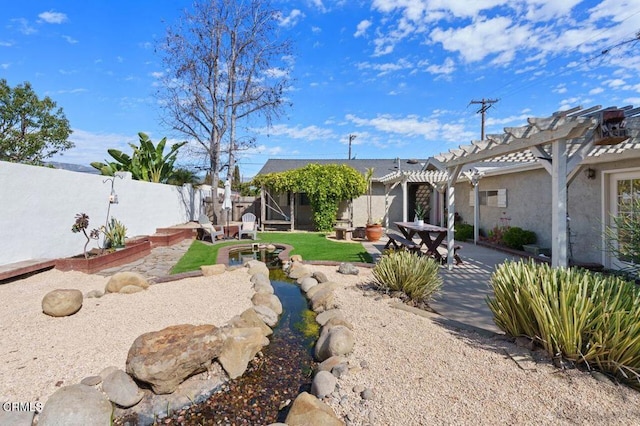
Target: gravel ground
<point>39,353</point>
<point>423,372</point>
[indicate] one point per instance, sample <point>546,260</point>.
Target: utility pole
<point>351,138</point>
<point>486,104</point>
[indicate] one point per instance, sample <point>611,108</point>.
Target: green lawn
<point>310,245</point>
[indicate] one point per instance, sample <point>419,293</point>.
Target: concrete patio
<point>466,286</point>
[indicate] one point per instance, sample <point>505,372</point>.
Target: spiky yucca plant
<point>588,318</point>
<point>416,276</point>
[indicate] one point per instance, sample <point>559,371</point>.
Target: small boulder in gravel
<point>340,370</point>
<point>367,394</point>
<point>94,294</point>
<point>271,301</point>
<point>91,380</point>
<point>122,279</point>
<point>250,318</point>
<point>240,346</point>
<point>323,300</point>
<point>121,389</point>
<point>267,315</point>
<point>307,283</point>
<point>324,383</point>
<point>210,270</point>
<point>329,363</point>
<point>260,278</point>
<point>335,342</point>
<point>308,410</point>
<point>130,289</point>
<point>261,287</point>
<point>320,276</point>
<point>298,270</point>
<point>348,269</point>
<point>62,302</point>
<point>76,405</point>
<point>320,287</point>
<point>325,316</point>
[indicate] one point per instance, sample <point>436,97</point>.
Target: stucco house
<point>292,211</point>
<point>563,177</point>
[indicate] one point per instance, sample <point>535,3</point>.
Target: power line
<point>486,104</point>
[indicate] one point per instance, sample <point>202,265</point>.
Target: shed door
<point>624,202</point>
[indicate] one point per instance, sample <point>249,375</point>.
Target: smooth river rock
<point>76,405</point>
<point>62,302</point>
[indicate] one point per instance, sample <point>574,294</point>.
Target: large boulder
<point>123,279</point>
<point>271,301</point>
<point>320,276</point>
<point>240,346</point>
<point>76,405</point>
<point>121,389</point>
<point>165,358</point>
<point>257,267</point>
<point>62,302</point>
<point>260,278</point>
<point>308,410</point>
<point>335,341</point>
<point>248,319</point>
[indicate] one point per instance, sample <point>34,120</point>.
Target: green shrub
<point>515,237</point>
<point>463,231</point>
<point>588,318</point>
<point>416,276</point>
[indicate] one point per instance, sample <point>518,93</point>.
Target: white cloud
<point>387,67</point>
<point>413,126</point>
<point>596,91</point>
<point>52,17</point>
<point>292,19</point>
<point>309,133</point>
<point>362,27</point>
<point>70,39</point>
<point>23,26</point>
<point>446,68</point>
<point>276,72</point>
<point>615,83</point>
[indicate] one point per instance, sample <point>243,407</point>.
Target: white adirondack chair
<point>248,226</point>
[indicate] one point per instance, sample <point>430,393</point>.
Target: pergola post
<point>476,210</point>
<point>451,207</point>
<point>405,201</point>
<point>292,200</point>
<point>559,204</point>
<point>263,208</point>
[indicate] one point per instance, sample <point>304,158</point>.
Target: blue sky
<point>397,74</point>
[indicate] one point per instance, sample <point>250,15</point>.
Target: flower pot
<point>373,232</point>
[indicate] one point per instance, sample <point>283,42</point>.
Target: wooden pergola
<point>559,143</point>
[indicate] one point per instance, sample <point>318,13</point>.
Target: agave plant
<point>585,317</point>
<point>416,276</point>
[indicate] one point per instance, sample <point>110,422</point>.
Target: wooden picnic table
<point>425,232</point>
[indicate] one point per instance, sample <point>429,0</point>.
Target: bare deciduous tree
<point>221,69</point>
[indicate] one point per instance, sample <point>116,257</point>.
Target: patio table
<point>425,232</point>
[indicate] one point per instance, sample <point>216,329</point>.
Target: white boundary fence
<point>38,206</point>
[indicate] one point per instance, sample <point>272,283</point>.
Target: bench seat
<point>456,256</point>
<point>398,242</point>
<point>343,232</point>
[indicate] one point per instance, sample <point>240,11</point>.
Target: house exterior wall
<point>39,205</point>
<point>529,206</point>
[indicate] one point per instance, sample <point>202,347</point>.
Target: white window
<point>490,198</point>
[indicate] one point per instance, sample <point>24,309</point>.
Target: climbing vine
<point>325,186</point>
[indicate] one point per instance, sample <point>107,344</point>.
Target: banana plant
<point>147,162</point>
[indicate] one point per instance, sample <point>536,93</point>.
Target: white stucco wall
<point>39,205</point>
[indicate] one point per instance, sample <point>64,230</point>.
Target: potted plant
<point>420,214</point>
<point>373,230</point>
